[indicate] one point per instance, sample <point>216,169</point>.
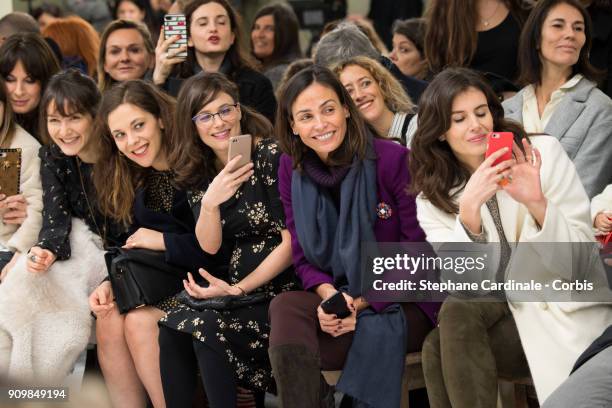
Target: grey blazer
<point>583,124</point>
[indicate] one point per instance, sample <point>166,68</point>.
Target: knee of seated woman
<point>142,320</point>
<point>458,311</point>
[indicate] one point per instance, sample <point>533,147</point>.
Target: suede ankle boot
<point>299,382</point>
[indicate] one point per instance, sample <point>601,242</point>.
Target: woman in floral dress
<point>237,208</point>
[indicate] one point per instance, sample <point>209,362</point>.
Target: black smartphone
<point>336,304</point>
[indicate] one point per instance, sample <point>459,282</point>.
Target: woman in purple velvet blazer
<point>340,187</point>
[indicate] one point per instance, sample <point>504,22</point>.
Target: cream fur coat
<point>44,318</point>
<point>553,334</point>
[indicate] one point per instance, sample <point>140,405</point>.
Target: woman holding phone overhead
<point>464,199</point>
<point>215,44</point>
<point>340,186</point>
<point>237,207</point>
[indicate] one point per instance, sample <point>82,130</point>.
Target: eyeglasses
<point>227,112</point>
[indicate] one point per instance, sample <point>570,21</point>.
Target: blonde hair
<point>396,99</point>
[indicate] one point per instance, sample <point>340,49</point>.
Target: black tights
<point>179,359</point>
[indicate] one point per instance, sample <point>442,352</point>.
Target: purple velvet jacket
<point>392,180</point>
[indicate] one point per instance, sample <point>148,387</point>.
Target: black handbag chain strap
<point>102,233</point>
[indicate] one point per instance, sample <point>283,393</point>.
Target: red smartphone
<point>497,141</point>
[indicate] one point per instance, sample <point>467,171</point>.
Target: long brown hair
<point>39,62</point>
<point>530,64</point>
<point>193,161</point>
<point>451,37</point>
<point>7,126</point>
<point>76,38</point>
<point>355,141</point>
<point>237,52</point>
<point>104,79</point>
<point>435,170</point>
<point>116,177</point>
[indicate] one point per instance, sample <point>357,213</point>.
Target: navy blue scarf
<point>331,240</point>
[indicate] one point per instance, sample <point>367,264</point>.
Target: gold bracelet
<point>242,291</point>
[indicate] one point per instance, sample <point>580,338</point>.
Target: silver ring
<point>33,258</point>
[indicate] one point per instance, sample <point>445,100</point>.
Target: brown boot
<point>299,382</point>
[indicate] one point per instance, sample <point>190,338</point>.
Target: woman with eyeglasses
<point>239,208</point>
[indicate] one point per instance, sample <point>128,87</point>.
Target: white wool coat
<point>602,202</point>
<point>553,334</point>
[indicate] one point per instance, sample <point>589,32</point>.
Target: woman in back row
<point>215,44</point>
<point>561,98</point>
<point>379,96</point>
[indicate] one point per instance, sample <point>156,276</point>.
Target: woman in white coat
<point>19,223</point>
<point>462,200</point>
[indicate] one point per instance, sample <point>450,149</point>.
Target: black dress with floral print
<point>68,192</point>
<point>253,220</point>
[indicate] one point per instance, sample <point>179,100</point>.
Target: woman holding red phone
<point>461,200</point>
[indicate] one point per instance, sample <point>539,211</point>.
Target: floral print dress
<point>252,221</point>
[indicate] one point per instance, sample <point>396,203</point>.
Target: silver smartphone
<point>240,145</point>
